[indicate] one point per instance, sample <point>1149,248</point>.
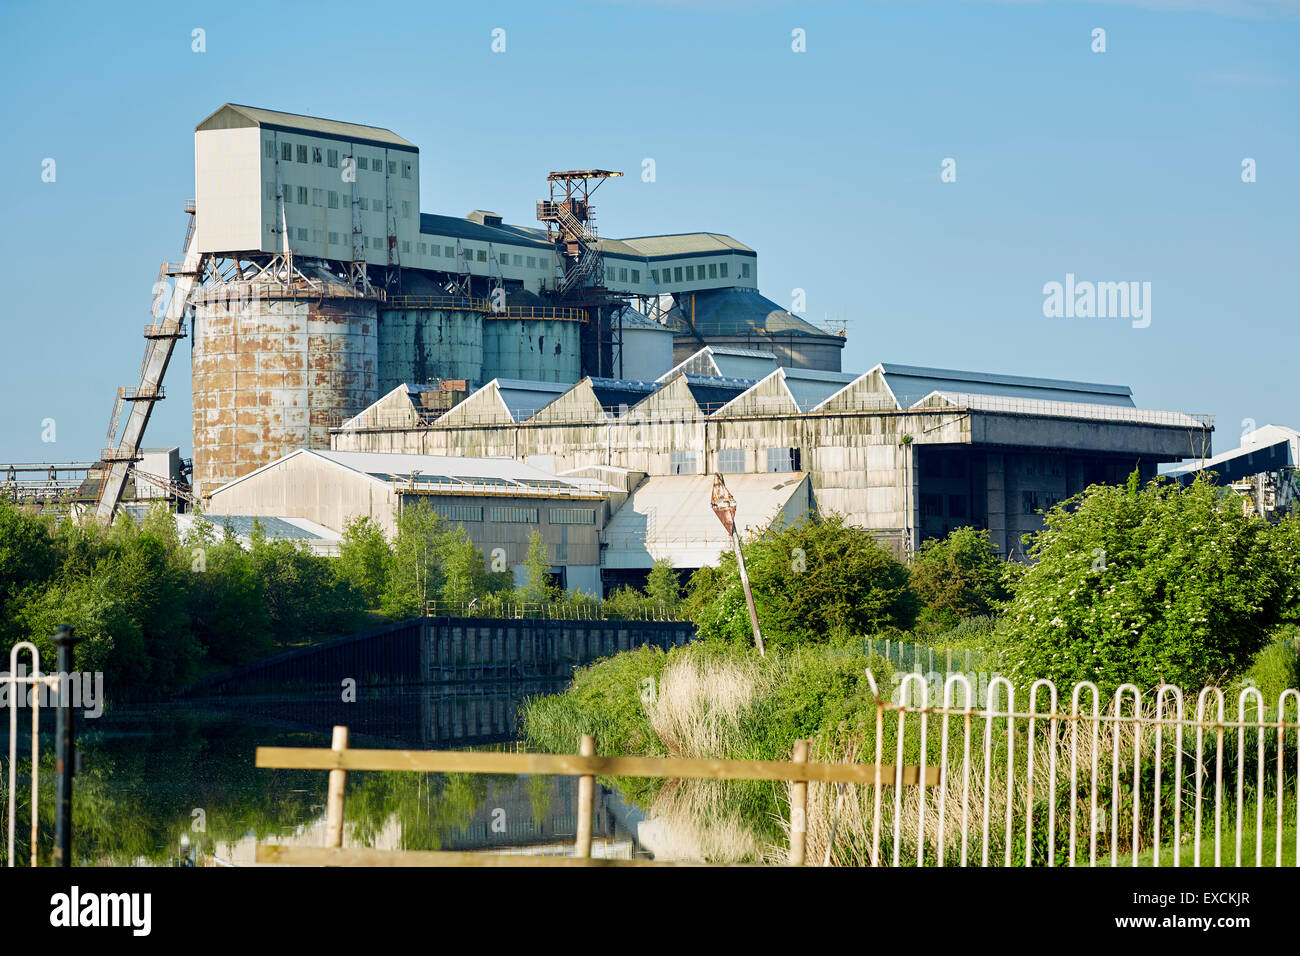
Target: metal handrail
<point>559,314</point>
<point>278,288</point>
<point>471,303</point>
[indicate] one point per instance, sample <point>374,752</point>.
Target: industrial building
<point>904,451</point>
<point>347,345</point>
<point>320,285</point>
<point>500,502</point>
<point>1263,470</point>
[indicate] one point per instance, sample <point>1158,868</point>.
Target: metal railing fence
<point>1152,778</point>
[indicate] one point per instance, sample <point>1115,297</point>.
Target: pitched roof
<point>458,228</point>
<point>675,245</point>
<point>911,383</point>
<point>725,362</point>
<point>235,116</point>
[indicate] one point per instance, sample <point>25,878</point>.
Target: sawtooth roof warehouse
<point>545,378</point>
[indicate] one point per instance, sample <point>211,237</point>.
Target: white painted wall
<point>227,174</point>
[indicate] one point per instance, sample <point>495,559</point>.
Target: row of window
<point>943,466</point>
<point>335,238</point>
<point>717,270</point>
<point>932,506</point>
<point>732,461</point>
<point>619,274</point>
<point>711,270</point>
<point>1031,502</point>
<point>318,156</point>
<point>379,242</point>
<point>1034,465</point>
<point>510,514</point>
<point>330,199</point>
<point>480,255</point>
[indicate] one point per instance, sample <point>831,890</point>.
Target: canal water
<point>148,776</point>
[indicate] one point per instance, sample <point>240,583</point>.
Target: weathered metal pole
<point>749,594</point>
<point>724,506</point>
<point>65,747</point>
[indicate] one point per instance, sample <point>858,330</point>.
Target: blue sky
<point>1115,166</point>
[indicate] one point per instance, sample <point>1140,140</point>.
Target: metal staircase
<point>160,341</point>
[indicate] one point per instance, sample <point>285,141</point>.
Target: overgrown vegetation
<point>812,582</point>
<point>1141,584</point>
<point>155,611</point>
<point>1150,585</point>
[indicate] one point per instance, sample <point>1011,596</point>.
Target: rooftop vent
<point>484,218</point>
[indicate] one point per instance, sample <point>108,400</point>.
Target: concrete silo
<point>425,338</point>
<point>537,344</point>
<point>275,366</point>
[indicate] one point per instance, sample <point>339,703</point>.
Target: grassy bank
<point>710,701</point>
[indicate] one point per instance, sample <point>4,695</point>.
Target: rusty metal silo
<point>275,366</point>
<point>425,338</point>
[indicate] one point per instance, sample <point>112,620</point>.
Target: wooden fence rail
<point>339,759</point>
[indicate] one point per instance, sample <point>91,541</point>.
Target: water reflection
<point>149,776</point>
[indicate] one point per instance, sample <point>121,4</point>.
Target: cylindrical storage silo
<point>274,371</point>
<point>535,348</point>
<point>419,344</point>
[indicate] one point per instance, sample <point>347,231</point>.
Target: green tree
<point>662,585</point>
<point>414,576</point>
<point>538,588</point>
<point>28,551</point>
<point>100,612</point>
<point>465,575</point>
<point>1144,585</point>
<point>811,581</point>
<point>957,577</point>
<point>305,598</point>
<point>228,605</point>
<point>364,558</point>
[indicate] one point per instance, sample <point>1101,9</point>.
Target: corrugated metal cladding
<point>417,346</point>
<point>540,350</point>
<point>274,374</point>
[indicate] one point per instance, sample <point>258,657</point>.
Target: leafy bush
<point>538,587</point>
<point>663,588</point>
<point>1144,584</point>
<point>810,580</point>
<point>1286,547</point>
<point>958,577</point>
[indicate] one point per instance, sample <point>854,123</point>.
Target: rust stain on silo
<point>273,373</point>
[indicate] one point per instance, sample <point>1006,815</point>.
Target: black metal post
<point>64,749</point>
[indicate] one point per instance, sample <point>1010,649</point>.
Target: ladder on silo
<point>160,341</point>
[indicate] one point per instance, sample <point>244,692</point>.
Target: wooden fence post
<point>798,808</point>
<point>334,794</point>
<point>586,794</point>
